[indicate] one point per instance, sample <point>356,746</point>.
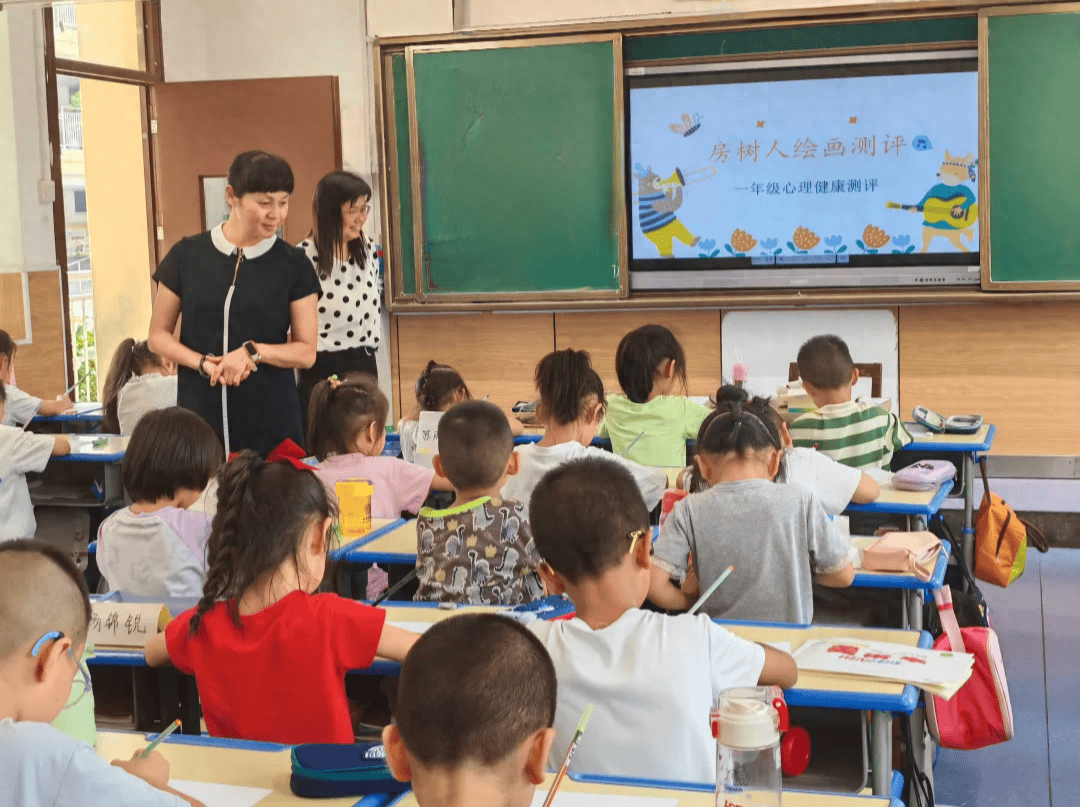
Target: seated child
<point>648,424</point>
<point>157,547</point>
<point>571,408</point>
<point>480,550</point>
<point>138,382</point>
<point>347,433</point>
<point>852,432</point>
<point>475,704</point>
<point>20,453</point>
<point>21,406</point>
<point>777,537</point>
<point>836,485</point>
<point>651,678</point>
<point>438,388</point>
<point>44,619</point>
<point>269,655</point>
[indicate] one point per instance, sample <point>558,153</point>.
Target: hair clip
<point>291,453</point>
<point>335,382</point>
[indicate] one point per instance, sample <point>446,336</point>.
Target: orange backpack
<point>1001,538</point>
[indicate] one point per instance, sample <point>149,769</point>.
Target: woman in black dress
<point>242,292</point>
<point>346,262</point>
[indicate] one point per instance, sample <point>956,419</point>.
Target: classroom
<point>630,402</point>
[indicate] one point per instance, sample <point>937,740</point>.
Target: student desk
<point>682,794</point>
<point>393,543</point>
<point>914,590</point>
<point>970,446</point>
<point>228,762</point>
<point>882,699</point>
<point>109,456</point>
<point>87,416</point>
<point>917,506</point>
<point>379,526</point>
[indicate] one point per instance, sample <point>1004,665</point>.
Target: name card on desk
<point>126,625</point>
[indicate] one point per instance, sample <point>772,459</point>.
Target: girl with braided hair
<point>270,655</point>
<point>777,537</point>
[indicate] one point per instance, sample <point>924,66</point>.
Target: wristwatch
<point>202,362</point>
<point>252,352</point>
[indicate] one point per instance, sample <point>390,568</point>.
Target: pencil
<point>712,589</point>
<point>172,727</point>
<point>569,753</point>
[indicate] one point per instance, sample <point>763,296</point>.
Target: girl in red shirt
<point>268,654</point>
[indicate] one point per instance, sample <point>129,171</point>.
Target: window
<point>80,201</point>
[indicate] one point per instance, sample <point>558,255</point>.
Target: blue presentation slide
<point>779,171</point>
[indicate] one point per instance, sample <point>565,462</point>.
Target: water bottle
<point>747,722</point>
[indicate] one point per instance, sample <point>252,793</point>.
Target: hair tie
<point>335,382</point>
<point>291,453</point>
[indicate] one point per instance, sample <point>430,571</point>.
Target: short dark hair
<point>566,382</point>
<point>825,362</point>
<point>582,515</point>
<point>639,356</point>
<point>474,687</point>
<point>3,391</point>
<point>8,346</point>
<point>170,448</point>
<point>475,443</point>
<point>260,172</point>
<point>736,429</point>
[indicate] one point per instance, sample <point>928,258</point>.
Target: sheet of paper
<point>415,627</point>
<point>566,799</point>
<point>215,795</point>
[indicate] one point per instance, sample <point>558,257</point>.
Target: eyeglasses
<point>359,210</point>
<point>85,684</point>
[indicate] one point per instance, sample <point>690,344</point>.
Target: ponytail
<point>340,410</point>
<point>130,359</point>
<point>264,511</point>
<point>737,430</point>
<point>639,356</point>
<point>567,383</point>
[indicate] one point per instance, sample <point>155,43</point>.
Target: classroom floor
<point>1037,622</point>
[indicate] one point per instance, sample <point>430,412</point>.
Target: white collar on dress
<point>226,247</point>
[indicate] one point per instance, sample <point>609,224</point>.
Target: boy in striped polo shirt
<point>854,433</point>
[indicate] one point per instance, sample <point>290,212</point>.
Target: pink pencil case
<point>914,552</point>
<point>924,475</point>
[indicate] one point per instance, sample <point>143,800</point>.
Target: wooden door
<point>202,125</point>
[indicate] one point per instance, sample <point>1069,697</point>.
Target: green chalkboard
<point>1033,85</point>
<point>518,169</point>
<point>811,37</point>
<point>404,208</point>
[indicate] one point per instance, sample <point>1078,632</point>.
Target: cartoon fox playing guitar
<point>948,208</point>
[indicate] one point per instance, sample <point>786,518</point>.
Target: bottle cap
<point>745,722</point>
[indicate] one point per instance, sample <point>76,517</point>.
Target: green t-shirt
<point>654,432</point>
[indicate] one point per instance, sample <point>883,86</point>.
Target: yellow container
<point>354,499</point>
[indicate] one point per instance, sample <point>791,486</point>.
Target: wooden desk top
<point>686,798</point>
<point>401,541</point>
<point>230,766</point>
<point>423,613</point>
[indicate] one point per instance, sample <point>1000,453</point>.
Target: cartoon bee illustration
<point>688,126</point>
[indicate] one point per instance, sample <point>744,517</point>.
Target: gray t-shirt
<point>775,536</point>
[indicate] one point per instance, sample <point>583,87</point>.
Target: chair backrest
<point>871,370</point>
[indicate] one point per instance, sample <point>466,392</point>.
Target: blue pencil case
<point>325,770</point>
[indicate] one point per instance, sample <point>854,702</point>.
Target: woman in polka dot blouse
<point>345,261</point>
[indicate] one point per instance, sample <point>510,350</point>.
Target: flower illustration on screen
<point>835,244</point>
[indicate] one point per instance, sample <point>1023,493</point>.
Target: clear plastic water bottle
<point>747,722</point>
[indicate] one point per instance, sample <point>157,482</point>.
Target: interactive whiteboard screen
<point>791,168</point>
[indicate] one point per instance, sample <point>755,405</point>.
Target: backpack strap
<point>985,479</point>
<point>943,598</point>
<point>1036,538</point>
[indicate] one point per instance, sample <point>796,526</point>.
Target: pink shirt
<point>399,485</point>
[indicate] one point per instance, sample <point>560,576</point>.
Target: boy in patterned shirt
<point>854,433</point>
<point>479,551</point>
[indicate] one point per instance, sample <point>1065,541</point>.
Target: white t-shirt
<point>537,460</point>
<point>407,431</point>
<point>351,303</point>
<point>833,483</point>
<point>20,453</point>
<point>160,554</point>
<point>651,679</point>
<point>20,407</point>
<point>43,767</point>
<point>142,394</point>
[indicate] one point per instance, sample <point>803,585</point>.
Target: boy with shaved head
<point>44,617</point>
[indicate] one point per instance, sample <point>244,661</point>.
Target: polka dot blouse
<point>350,304</point>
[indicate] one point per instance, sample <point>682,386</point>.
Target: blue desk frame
<point>347,552</point>
<point>915,591</point>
